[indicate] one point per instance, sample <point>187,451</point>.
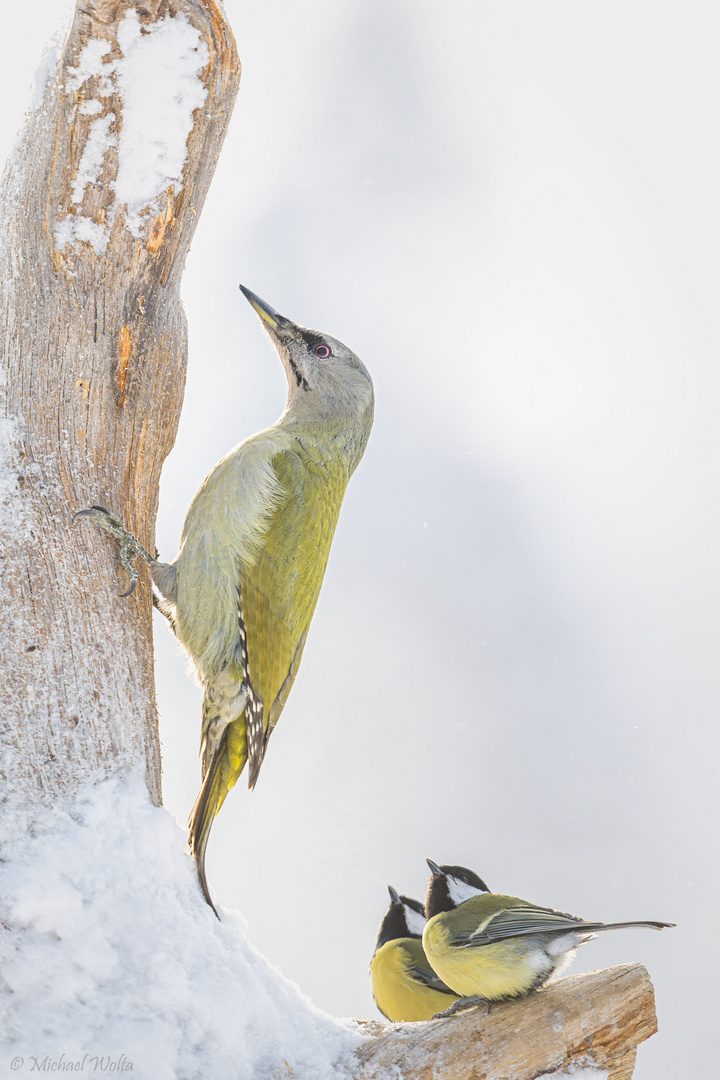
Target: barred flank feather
<point>220,777</point>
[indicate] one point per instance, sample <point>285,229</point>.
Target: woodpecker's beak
<point>267,314</point>
<point>394,896</point>
<point>436,871</point>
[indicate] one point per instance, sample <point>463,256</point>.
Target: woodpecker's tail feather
<point>224,769</point>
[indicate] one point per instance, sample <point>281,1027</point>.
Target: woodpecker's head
<point>324,376</point>
<point>450,886</point>
<point>403,919</point>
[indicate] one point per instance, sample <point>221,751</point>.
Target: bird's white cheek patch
<point>415,921</point>
<point>460,891</point>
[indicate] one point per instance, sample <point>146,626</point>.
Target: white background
<point>510,213</point>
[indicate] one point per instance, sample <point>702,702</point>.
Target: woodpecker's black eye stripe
<point>317,345</point>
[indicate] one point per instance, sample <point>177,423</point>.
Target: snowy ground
<point>114,962</point>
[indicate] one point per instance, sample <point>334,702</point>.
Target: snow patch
<point>158,82</point>
<point>158,86</point>
<point>47,68</point>
<point>108,950</point>
<point>91,62</point>
<point>12,520</point>
<point>99,140</point>
<point>78,227</point>
<point>91,107</point>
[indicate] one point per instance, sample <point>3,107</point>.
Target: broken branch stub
<point>594,1020</point>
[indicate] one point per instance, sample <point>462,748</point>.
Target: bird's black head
<point>450,886</point>
<point>403,919</point>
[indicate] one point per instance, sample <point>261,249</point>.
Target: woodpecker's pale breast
<point>223,532</point>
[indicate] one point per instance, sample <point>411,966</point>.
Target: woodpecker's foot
<point>461,1004</point>
<point>129,547</point>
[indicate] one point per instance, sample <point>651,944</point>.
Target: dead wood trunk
<point>93,354</point>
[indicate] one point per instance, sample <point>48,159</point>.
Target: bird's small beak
<point>394,896</point>
<point>436,871</point>
<point>266,313</point>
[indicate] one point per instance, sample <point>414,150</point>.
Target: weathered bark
<point>593,1020</point>
<point>93,345</point>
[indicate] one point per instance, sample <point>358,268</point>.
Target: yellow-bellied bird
<point>489,947</point>
<point>404,985</point>
<point>243,588</point>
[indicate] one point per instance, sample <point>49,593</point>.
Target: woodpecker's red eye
<point>322,351</point>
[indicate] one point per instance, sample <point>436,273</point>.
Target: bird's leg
<point>461,1004</point>
<point>129,547</point>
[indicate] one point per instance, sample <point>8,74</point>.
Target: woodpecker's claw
<point>129,547</point>
<point>460,1005</point>
<point>133,581</point>
<point>91,512</point>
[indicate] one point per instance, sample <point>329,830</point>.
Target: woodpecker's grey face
<point>322,365</point>
<point>317,366</point>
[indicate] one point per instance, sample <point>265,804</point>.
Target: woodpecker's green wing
<point>279,589</point>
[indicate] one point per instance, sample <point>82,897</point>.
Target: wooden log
<point>595,1020</point>
<point>92,372</point>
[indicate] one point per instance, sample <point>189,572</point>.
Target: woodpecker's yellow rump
<point>404,985</point>
<point>243,588</point>
<point>489,947</point>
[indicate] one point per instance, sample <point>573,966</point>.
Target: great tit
<point>404,985</point>
<point>492,947</point>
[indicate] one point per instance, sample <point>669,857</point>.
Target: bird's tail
<point>220,777</point>
<point>597,927</point>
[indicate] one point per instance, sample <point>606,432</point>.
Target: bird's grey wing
<point>519,922</point>
<point>427,977</point>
